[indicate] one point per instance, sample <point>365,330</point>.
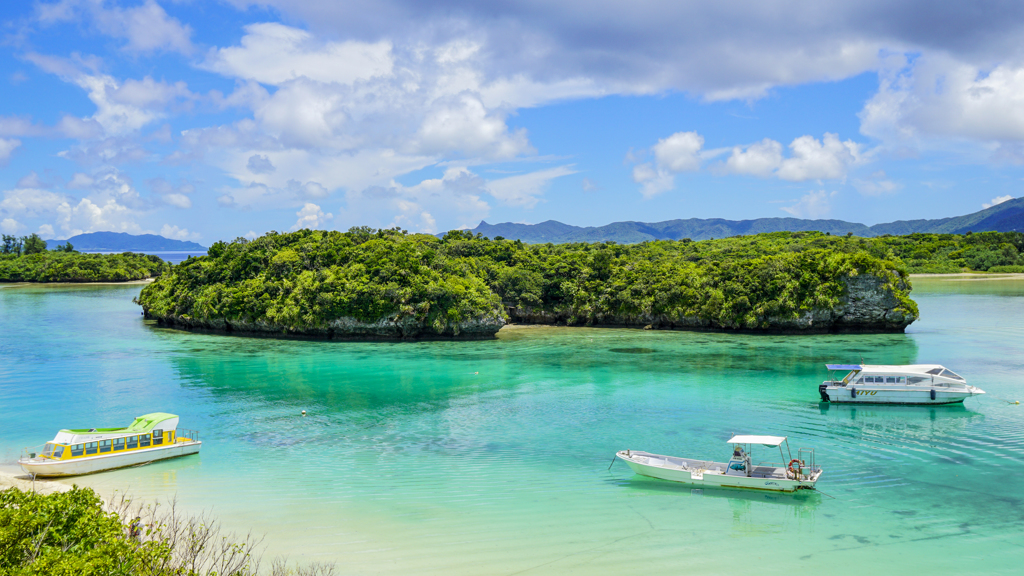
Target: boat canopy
<point>764,440</point>
<point>844,366</point>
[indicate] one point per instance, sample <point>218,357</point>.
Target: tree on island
<point>33,244</point>
<point>11,245</point>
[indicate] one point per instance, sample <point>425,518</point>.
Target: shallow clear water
<point>492,457</point>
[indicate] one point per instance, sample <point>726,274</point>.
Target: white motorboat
<point>739,472</point>
<point>908,384</point>
<point>84,451</point>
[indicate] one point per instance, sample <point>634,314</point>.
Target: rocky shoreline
<point>868,305</point>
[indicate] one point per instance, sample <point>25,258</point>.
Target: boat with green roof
<point>74,452</point>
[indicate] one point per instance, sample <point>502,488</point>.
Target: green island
<point>368,283</point>
<point>27,260</point>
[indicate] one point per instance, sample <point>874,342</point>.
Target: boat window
<point>917,379</point>
<point>118,444</point>
<point>890,379</point>
<point>901,379</point>
<point>144,440</point>
<point>77,450</point>
<point>133,442</point>
<point>90,448</point>
<point>58,451</point>
<point>104,445</point>
<point>158,437</point>
<point>934,371</point>
<point>950,374</point>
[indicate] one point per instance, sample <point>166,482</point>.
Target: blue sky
<point>213,120</point>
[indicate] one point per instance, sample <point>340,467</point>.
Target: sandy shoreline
<point>12,476</point>
<point>973,276</point>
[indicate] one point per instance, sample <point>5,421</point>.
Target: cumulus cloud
<point>939,96</point>
<point>273,53</point>
<point>10,226</point>
<point>679,152</point>
<point>996,201</point>
<point>311,216</point>
<point>176,233</point>
<point>760,159</point>
<point>653,181</point>
<point>812,205</point>
<point>809,159</point>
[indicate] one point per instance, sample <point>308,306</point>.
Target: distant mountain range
<point>1005,217</point>
<point>123,242</point>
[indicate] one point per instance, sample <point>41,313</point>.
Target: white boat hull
<point>693,472</point>
<point>47,468</point>
<point>919,395</point>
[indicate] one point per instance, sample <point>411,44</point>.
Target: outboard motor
<point>824,394</point>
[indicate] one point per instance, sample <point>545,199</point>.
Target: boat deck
<point>759,471</point>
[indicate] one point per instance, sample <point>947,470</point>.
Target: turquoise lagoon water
<point>492,457</point>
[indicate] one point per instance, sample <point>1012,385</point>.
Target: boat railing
<point>806,455</point>
<point>185,434</point>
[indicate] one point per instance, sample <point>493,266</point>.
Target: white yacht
<point>907,384</point>
<point>739,472</point>
<point>84,451</point>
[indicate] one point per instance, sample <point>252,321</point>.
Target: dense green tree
<point>33,244</point>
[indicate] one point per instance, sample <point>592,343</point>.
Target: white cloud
<point>814,159</point>
<point>525,189</point>
<point>273,53</point>
<point>146,28</point>
<point>10,226</point>
<point>7,146</point>
<point>653,181</point>
<point>121,107</point>
<point>175,233</point>
<point>997,200</point>
<point>464,125</point>
<point>679,152</point>
<point>45,231</point>
<point>760,159</point>
<point>311,216</point>
<point>812,205</point>
<point>177,196</point>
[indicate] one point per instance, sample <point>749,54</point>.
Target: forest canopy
<point>306,282</point>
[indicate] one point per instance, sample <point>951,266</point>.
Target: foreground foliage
<point>307,279</point>
<point>60,266</point>
<point>72,534</point>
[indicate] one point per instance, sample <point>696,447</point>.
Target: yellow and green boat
<point>74,452</point>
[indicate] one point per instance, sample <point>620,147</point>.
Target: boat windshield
<point>950,374</point>
<point>53,450</point>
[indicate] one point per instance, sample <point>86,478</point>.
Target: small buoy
<point>475,372</point>
<point>303,412</point>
